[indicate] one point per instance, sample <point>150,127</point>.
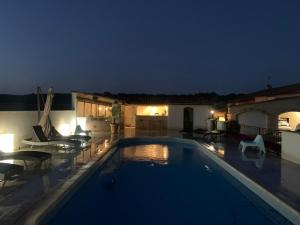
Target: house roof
<point>61,101</point>
<point>162,99</point>
<point>287,91</point>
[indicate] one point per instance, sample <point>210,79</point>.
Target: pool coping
<point>280,206</point>
<point>49,205</point>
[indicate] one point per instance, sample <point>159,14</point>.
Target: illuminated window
<point>222,119</point>
<point>104,111</point>
<point>80,109</point>
<point>152,110</point>
<point>88,109</point>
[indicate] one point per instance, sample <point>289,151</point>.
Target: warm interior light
<point>152,110</point>
<point>212,112</point>
<point>7,142</point>
<point>222,118</point>
<point>100,108</point>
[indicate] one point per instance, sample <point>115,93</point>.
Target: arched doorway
<point>289,121</point>
<point>188,119</point>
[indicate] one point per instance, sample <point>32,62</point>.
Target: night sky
<point>148,46</point>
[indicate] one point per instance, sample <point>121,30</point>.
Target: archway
<point>289,121</point>
<point>188,119</point>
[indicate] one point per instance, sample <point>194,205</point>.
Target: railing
<point>270,135</point>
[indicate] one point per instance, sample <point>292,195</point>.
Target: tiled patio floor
<point>278,176</point>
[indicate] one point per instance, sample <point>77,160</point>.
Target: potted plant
<point>115,117</point>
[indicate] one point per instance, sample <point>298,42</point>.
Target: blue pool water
<point>159,184</point>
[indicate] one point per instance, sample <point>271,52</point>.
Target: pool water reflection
<point>159,184</point>
<point>154,153</point>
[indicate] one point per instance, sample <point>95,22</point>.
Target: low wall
<point>290,146</point>
<point>17,125</point>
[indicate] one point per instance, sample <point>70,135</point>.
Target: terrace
<point>20,197</point>
<point>43,186</point>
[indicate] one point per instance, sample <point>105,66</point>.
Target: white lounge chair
<point>44,141</point>
<point>258,142</point>
<point>55,135</point>
<point>258,159</point>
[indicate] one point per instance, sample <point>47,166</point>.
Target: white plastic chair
<point>258,160</point>
<point>258,142</point>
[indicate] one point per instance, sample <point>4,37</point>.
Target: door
<point>188,119</point>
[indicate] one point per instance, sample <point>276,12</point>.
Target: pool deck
<point>17,198</point>
<point>278,176</point>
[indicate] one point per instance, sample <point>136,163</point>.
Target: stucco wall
<point>253,118</point>
<point>19,123</point>
<point>290,146</point>
<point>271,108</point>
<point>175,118</point>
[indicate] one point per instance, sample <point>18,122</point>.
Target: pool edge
<point>41,210</point>
<point>280,206</point>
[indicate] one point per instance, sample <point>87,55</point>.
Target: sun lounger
<point>44,141</point>
<point>80,131</point>
<point>9,171</point>
<point>56,135</point>
<point>258,143</point>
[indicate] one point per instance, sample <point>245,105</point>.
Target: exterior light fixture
<point>7,142</point>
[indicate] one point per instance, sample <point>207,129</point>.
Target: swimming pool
<point>161,182</point>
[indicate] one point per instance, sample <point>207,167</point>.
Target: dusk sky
<point>148,46</point>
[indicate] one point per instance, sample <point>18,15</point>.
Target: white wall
<point>175,118</point>
<point>254,119</point>
<point>19,123</point>
<point>130,115</point>
<point>290,146</point>
<point>64,121</point>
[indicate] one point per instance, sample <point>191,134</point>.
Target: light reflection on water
<point>154,153</point>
